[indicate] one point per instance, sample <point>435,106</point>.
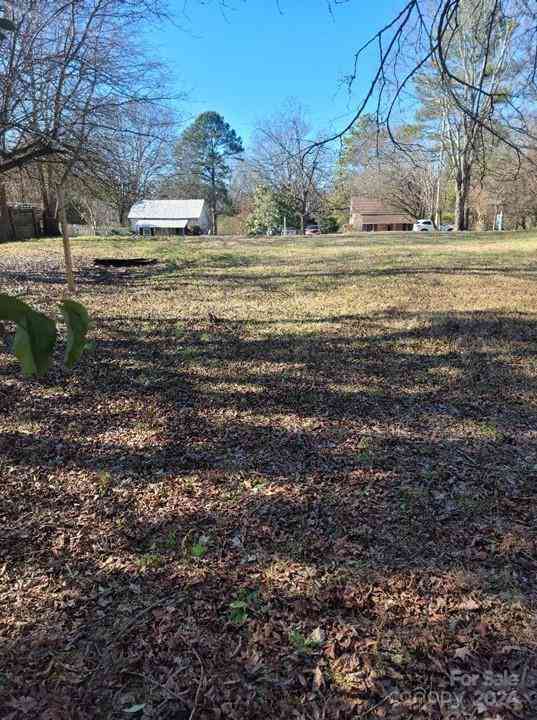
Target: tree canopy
<point>203,161</point>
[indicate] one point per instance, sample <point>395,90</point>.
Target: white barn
<point>169,217</point>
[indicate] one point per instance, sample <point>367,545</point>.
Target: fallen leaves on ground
<point>298,486</point>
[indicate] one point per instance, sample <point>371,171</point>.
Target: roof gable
<point>366,206</point>
<point>166,209</point>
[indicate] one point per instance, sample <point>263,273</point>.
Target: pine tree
<point>203,156</point>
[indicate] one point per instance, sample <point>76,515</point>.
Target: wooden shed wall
<point>19,225</point>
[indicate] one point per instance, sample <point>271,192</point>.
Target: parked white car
<point>446,227</point>
<point>423,226</point>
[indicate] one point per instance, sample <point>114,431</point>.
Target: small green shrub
<point>104,482</point>
<point>200,549</point>
<point>170,541</point>
<point>240,607</point>
<point>306,645</point>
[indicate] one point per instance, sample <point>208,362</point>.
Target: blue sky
<point>246,62</point>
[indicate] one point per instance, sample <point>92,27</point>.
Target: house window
<point>367,227</point>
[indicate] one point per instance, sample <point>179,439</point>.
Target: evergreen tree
<point>269,209</point>
<point>203,156</point>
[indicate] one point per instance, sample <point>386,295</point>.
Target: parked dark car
<point>313,230</point>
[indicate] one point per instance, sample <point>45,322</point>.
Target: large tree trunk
<point>5,216</point>
<point>124,204</point>
<point>213,202</point>
<point>462,192</point>
<point>51,225</point>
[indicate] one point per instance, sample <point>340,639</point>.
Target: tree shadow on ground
<point>88,276</point>
<point>371,481</point>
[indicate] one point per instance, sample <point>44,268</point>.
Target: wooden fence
<point>20,224</point>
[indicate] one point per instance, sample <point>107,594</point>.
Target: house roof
<point>166,210</point>
<point>364,205</point>
<point>377,212</point>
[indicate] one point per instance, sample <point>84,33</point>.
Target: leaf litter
<point>282,510</point>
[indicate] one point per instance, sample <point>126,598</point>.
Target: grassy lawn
<point>292,479</point>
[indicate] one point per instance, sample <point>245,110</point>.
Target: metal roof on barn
<point>166,210</point>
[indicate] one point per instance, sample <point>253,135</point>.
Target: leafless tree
<point>510,184</point>
<point>375,167</point>
<point>279,160</point>
<point>64,68</point>
<point>84,197</point>
<point>481,59</point>
<point>478,50</point>
<point>424,31</point>
<point>421,31</point>
<point>131,155</point>
<point>68,65</point>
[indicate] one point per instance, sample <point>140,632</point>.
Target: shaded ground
<point>292,480</point>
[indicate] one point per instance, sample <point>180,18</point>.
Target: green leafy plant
<point>36,334</point>
<point>239,608</point>
<point>306,644</point>
<point>238,612</point>
<point>199,549</point>
<point>365,450</point>
<point>104,482</point>
<point>170,540</point>
<point>329,224</point>
<point>77,321</point>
